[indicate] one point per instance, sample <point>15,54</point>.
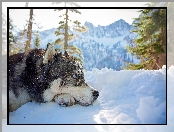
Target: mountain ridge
<point>101,46</point>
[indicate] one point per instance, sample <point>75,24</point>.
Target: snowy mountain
<point>101,46</point>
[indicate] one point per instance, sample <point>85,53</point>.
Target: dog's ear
<point>49,54</point>
<point>59,54</point>
<point>66,54</point>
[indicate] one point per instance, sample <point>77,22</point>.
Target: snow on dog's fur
<point>45,76</point>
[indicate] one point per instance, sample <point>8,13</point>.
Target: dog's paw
<point>64,100</point>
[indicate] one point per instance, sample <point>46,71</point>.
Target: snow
<point>125,97</point>
<point>106,41</point>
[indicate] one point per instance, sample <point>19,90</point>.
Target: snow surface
<point>126,97</point>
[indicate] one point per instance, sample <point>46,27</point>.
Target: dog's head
<point>67,77</point>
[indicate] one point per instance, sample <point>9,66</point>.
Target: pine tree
<point>14,45</point>
<point>37,40</point>
<point>11,38</point>
<point>23,39</point>
<point>29,31</point>
<point>150,46</point>
<point>64,35</point>
<point>170,28</point>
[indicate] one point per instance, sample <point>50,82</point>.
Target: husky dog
<point>44,76</point>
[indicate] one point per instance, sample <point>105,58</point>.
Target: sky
<point>48,18</point>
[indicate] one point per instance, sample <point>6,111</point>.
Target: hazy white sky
<point>48,18</point>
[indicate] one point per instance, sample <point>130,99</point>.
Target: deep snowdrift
<point>126,97</point>
<point>122,100</point>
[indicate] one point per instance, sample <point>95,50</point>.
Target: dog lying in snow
<point>44,76</point>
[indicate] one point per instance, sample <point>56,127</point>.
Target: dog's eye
<point>41,53</point>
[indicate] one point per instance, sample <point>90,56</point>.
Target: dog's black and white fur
<point>44,76</point>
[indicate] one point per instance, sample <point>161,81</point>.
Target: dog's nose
<point>95,94</point>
